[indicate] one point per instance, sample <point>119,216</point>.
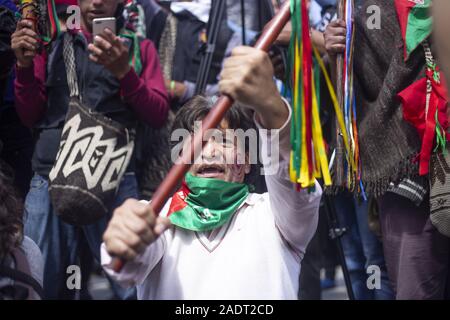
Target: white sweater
<point>256,255</point>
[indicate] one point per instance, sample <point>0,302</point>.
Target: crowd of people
<point>86,123</point>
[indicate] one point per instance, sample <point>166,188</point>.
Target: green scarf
<point>203,204</point>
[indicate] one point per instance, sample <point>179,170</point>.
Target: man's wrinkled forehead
<point>223,134</point>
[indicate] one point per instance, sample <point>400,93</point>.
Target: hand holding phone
<point>108,49</point>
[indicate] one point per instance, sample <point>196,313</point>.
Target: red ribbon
<point>307,84</point>
<point>414,101</point>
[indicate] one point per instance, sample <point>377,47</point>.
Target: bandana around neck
<point>203,204</point>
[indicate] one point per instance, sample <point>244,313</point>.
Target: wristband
<point>172,88</point>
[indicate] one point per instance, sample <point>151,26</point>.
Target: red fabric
<point>403,7</point>
<point>413,100</point>
<point>307,82</point>
<point>29,91</point>
<point>178,200</point>
<point>67,2</point>
<point>146,94</point>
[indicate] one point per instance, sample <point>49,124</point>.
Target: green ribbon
<point>135,57</point>
<point>441,141</point>
<point>296,123</point>
<point>436,75</point>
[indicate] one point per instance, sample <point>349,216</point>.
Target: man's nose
<point>211,150</point>
<point>97,2</point>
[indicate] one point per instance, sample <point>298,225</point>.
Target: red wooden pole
<point>211,121</point>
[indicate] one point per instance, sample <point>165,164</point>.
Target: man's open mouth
<point>210,171</point>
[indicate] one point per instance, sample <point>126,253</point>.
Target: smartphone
<point>100,24</point>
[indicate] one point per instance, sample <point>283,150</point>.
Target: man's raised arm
<point>248,78</point>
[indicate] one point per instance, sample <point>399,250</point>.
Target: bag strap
<point>22,277</point>
<point>69,62</point>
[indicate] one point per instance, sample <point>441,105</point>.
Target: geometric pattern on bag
<point>93,155</point>
<point>440,191</point>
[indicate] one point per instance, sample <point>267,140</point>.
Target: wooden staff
<point>29,8</point>
<point>29,12</point>
<point>211,121</point>
<point>339,175</point>
<point>337,232</point>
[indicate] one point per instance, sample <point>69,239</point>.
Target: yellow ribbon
<point>337,110</point>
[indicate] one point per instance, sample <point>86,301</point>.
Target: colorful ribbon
<point>48,32</point>
<point>308,157</point>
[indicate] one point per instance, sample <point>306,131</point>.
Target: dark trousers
<point>309,288</point>
<point>417,255</point>
<point>60,242</point>
<point>362,249</point>
<point>321,252</point>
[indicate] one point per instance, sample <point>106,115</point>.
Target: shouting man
<point>247,246</point>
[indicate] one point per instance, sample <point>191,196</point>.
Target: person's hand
<point>110,51</point>
<point>175,89</point>
<point>335,36</point>
<point>24,43</point>
<point>247,77</point>
<point>132,229</point>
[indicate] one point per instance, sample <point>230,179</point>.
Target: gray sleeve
<point>35,259</point>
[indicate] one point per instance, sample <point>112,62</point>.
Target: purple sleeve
<point>147,94</point>
<point>29,90</point>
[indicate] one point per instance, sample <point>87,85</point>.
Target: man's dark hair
<point>197,108</point>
